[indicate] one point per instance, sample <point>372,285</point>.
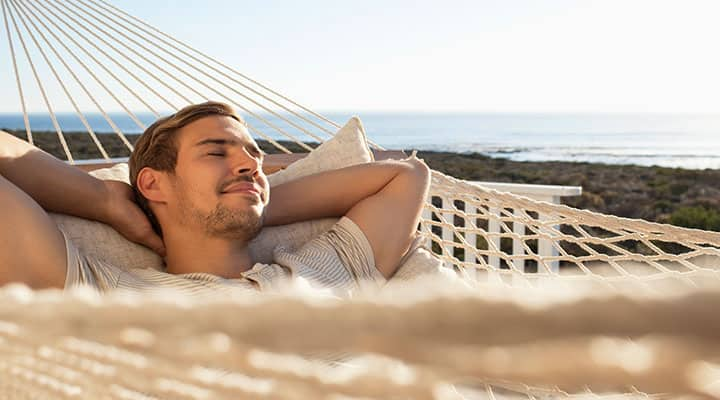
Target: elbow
<point>418,174</point>
<point>12,147</point>
<point>420,169</point>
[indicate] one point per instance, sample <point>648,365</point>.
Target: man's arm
<point>53,184</point>
<point>32,249</point>
<point>383,198</point>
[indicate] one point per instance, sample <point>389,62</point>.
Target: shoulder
<point>268,276</point>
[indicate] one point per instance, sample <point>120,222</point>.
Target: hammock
<point>553,301</point>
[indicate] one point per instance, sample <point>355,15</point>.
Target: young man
<point>198,176</point>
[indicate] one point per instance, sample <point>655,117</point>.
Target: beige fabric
<point>348,147</point>
<point>294,235</point>
<point>118,172</point>
<point>75,345</point>
<point>97,240</point>
<point>341,259</point>
<point>101,241</point>
<point>420,262</point>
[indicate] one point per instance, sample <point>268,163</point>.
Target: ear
<point>150,184</point>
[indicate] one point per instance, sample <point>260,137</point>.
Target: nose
<point>245,163</point>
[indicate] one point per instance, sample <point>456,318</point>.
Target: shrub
<point>696,217</point>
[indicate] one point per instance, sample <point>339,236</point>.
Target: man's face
<point>219,184</point>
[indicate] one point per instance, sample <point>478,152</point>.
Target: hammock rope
<point>107,118</point>
<point>78,112</point>
<point>51,343</point>
<point>104,29</point>
<point>26,121</point>
<point>119,13</point>
<point>126,57</point>
<point>170,74</point>
<point>265,108</point>
<point>467,338</point>
<point>103,66</point>
<point>116,11</point>
<point>189,75</point>
<point>55,123</point>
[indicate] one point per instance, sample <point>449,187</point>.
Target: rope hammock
<point>569,302</point>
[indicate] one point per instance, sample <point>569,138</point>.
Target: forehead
<point>213,127</point>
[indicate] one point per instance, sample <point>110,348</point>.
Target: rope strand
<point>26,120</point>
<point>62,84</point>
<point>107,118</point>
<point>55,123</point>
<point>132,115</point>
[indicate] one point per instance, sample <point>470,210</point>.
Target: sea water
<point>672,140</point>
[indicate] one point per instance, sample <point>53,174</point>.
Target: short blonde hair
<point>157,146</point>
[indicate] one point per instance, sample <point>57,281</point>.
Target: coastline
<point>683,197</point>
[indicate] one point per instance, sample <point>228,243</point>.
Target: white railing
<point>548,193</point>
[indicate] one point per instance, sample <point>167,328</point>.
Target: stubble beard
<point>233,224</point>
<point>222,221</point>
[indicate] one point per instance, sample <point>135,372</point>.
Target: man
<point>198,176</point>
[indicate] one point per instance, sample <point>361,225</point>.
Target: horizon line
<point>402,111</point>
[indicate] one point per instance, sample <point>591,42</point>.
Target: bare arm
<point>32,249</point>
<point>383,198</point>
<point>54,185</point>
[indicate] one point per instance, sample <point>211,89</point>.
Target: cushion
<point>98,240</point>
<point>348,147</point>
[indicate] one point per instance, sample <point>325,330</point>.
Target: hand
<point>126,217</point>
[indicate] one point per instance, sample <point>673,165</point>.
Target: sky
<point>451,56</point>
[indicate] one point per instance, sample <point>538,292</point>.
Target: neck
<point>189,252</point>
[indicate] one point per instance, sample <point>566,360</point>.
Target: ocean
<point>671,140</point>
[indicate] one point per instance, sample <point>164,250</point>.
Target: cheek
<point>200,186</point>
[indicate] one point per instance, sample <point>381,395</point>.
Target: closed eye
<point>255,152</point>
<point>216,154</point>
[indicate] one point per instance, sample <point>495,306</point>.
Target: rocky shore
<point>689,198</point>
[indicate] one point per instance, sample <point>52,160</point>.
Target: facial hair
<point>222,221</point>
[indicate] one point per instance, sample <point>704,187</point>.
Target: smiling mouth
<point>243,192</point>
<point>240,187</point>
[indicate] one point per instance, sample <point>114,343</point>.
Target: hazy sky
<point>503,55</point>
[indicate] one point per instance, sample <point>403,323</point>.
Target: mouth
<point>242,188</point>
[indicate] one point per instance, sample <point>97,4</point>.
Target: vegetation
<point>696,217</point>
<point>689,198</point>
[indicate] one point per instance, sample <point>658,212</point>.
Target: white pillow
<point>348,147</point>
<point>98,240</point>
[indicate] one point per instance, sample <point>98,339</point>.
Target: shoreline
<point>683,197</point>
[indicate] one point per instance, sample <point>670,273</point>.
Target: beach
<point>683,197</point>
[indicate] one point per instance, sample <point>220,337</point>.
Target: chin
<point>241,225</point>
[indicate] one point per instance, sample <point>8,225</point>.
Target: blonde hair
<point>157,146</point>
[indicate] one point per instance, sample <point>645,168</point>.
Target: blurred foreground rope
<point>607,342</point>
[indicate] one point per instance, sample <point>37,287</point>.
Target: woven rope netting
<point>640,320</point>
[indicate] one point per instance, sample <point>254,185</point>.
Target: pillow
<point>96,239</point>
<point>348,147</point>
